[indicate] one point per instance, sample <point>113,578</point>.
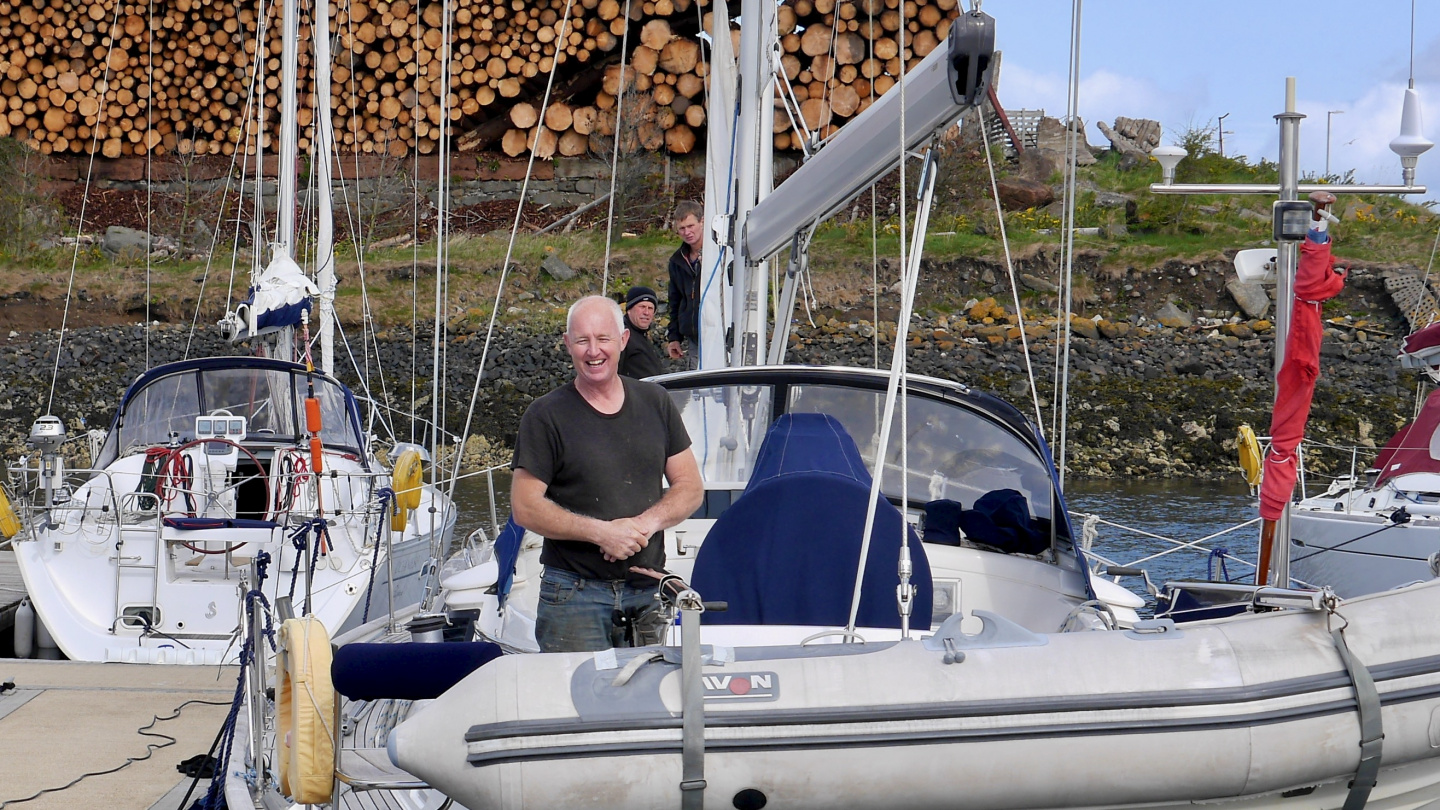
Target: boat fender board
<point>1372,731</point>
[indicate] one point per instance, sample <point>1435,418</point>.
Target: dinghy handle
<point>849,635</point>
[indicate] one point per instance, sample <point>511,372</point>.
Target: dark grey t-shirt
<point>604,466</point>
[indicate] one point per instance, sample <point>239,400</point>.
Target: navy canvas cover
<point>406,671</point>
<point>787,550</point>
<point>1000,519</point>
<point>507,553</point>
<point>195,523</point>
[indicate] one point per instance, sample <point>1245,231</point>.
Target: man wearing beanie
<point>640,358</point>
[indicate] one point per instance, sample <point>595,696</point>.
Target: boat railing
<point>447,482</point>
<point>1090,524</point>
<point>1338,468</point>
<point>57,509</point>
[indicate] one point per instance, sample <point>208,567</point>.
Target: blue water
<point>1181,510</point>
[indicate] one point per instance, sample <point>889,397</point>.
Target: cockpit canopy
<point>269,394</point>
<point>957,445</point>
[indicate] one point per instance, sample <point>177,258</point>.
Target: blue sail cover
<point>787,550</point>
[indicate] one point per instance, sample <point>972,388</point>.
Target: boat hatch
<point>139,617</point>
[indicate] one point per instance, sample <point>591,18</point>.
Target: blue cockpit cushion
<point>1001,518</point>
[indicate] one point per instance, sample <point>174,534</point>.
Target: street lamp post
<point>1328,116</point>
<point>1220,130</point>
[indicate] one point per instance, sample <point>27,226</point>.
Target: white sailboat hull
<point>87,597</point>
<point>150,556</point>
<point>1257,711</point>
<point>1357,554</point>
<point>1355,541</point>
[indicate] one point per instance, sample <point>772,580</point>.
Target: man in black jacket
<point>685,282</point>
<point>640,358</point>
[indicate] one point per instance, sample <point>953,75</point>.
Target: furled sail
<point>276,299</point>
<point>1316,281</point>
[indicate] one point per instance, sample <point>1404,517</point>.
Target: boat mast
<point>324,156</point>
<point>756,176</point>
<point>717,253</point>
<point>287,164</point>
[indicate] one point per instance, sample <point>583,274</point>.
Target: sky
<point>1187,62</point>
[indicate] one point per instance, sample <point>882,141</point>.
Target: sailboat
<point>881,603</point>
<point>1380,528</point>
<point>223,478</point>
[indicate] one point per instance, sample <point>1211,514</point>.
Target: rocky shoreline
<point>1144,401</point>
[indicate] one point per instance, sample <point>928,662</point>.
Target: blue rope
<point>300,539</point>
<point>214,798</point>
<point>387,498</point>
<point>1217,555</point>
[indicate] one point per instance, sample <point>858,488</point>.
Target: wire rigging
<point>1010,269</point>
<point>1072,150</point>
<point>510,247</point>
<point>624,90</point>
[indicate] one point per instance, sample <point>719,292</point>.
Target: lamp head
<point>1169,157</point>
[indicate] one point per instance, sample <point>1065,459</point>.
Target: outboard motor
<point>46,437</point>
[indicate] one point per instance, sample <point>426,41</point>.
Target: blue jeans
<point>578,615</point>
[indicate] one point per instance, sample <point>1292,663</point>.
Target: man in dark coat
<point>685,282</point>
<point>640,358</point>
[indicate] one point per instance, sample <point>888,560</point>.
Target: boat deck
<point>63,719</point>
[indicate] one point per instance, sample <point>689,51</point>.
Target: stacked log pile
<point>840,55</point>
<point>174,76</point>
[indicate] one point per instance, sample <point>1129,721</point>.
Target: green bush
<point>27,213</point>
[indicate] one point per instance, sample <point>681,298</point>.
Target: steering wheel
<point>212,496</point>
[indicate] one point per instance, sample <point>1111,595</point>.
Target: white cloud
<point>1359,140</point>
